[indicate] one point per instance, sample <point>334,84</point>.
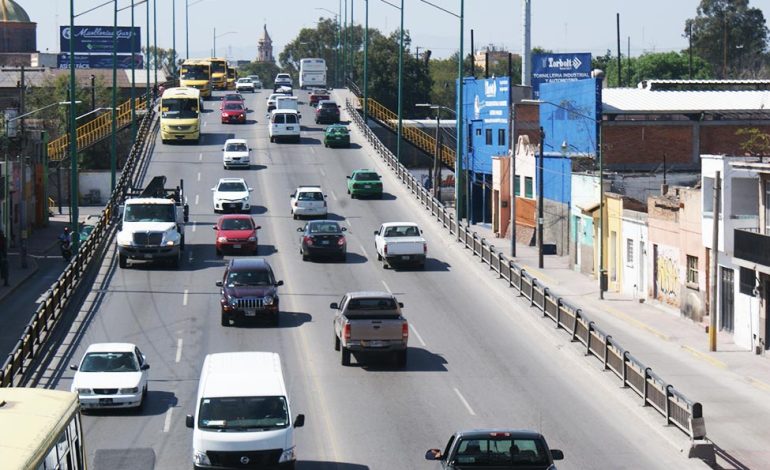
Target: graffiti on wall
<point>667,279</point>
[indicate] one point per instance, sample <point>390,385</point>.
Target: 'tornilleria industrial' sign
<point>547,68</point>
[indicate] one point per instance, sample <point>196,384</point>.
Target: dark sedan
<point>322,238</point>
<point>248,290</point>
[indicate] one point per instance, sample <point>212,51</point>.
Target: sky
<point>558,25</point>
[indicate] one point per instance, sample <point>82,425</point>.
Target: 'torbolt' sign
<point>567,67</point>
<point>98,39</point>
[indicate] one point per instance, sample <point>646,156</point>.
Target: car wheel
<point>272,139</point>
<point>122,261</point>
<point>294,216</point>
<point>401,358</point>
<point>275,320</point>
<point>345,356</point>
<point>379,256</point>
<point>343,257</point>
<point>225,319</point>
<point>181,244</point>
<point>336,342</point>
<point>326,145</point>
<point>219,252</point>
<point>256,250</point>
<point>176,261</point>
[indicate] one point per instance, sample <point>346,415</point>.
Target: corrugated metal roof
<point>642,101</point>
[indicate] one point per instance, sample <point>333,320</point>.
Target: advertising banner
<point>549,68</point>
<point>102,61</point>
<point>90,39</point>
<point>485,113</point>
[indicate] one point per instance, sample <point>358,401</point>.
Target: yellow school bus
<point>196,73</point>
<point>180,117</point>
<point>40,429</point>
<point>232,76</point>
<point>218,73</point>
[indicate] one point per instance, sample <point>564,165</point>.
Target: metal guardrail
<point>675,407</point>
<point>95,130</point>
<point>45,319</point>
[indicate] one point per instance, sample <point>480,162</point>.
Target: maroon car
<point>236,232</point>
<point>233,112</point>
<point>249,291</point>
<point>316,96</point>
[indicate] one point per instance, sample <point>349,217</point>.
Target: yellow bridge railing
<point>416,136</point>
<point>94,131</point>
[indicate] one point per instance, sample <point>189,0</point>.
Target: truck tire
<point>345,357</point>
<point>379,256</point>
<point>122,261</point>
<point>275,320</point>
<point>176,261</point>
<point>336,342</point>
<point>401,358</point>
<point>225,319</point>
<point>181,244</point>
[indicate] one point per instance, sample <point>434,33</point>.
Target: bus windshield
<point>194,72</point>
<point>179,108</point>
<point>217,66</point>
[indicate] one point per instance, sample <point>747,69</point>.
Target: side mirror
<point>213,189</point>
<point>257,227</point>
<point>120,226</point>
<point>219,283</point>
<point>214,227</point>
<point>401,304</point>
<point>279,283</point>
<point>249,149</point>
<point>188,421</point>
<point>556,454</point>
<point>299,421</point>
<point>73,367</point>
<point>145,366</point>
<point>348,177</point>
<point>251,189</point>
<point>344,229</point>
<point>376,232</point>
<point>433,454</point>
<point>300,229</point>
<point>334,306</point>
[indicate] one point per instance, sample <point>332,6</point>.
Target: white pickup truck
<point>400,243</point>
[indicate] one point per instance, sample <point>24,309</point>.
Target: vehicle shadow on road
<point>309,140</point>
<point>418,360</point>
<point>318,465</point>
<point>431,265</point>
<point>333,216</point>
<point>385,197</point>
<point>286,320</point>
<point>156,403</point>
<point>258,210</point>
<point>218,138</point>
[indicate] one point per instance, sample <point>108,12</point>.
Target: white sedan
<point>232,195</point>
<point>236,152</point>
<point>111,375</point>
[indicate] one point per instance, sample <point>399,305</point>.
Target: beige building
<point>265,47</point>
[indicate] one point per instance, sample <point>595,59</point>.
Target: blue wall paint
<point>574,120</point>
<point>485,108</point>
<point>557,178</point>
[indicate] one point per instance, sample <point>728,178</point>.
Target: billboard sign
<point>549,68</point>
<point>94,39</point>
<point>103,61</point>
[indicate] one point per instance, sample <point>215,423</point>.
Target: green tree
<point>320,42</point>
<point>729,35</point>
<point>166,58</point>
<point>757,143</point>
<point>266,71</point>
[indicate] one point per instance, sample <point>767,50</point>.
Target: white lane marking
<point>363,250</point>
<point>184,298</point>
<point>195,225</point>
<point>465,402</point>
<point>167,422</point>
<point>204,124</point>
<point>386,287</point>
<point>200,157</point>
<point>179,349</point>
<point>334,195</point>
<point>419,338</point>
<point>196,199</point>
<point>323,173</point>
<point>347,221</point>
<point>312,149</point>
<point>199,176</point>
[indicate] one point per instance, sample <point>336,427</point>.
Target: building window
<point>517,185</point>
<point>501,137</point>
<point>692,271</point>
<point>488,134</point>
<point>478,132</point>
<point>629,252</point>
<point>748,281</point>
<point>528,187</point>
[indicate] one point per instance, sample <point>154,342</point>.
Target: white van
<point>286,102</point>
<point>284,124</point>
<point>243,414</point>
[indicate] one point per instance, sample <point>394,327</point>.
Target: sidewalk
<point>732,384</point>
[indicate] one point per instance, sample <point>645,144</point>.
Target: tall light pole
<point>366,60</point>
<point>147,99</point>
<point>173,38</point>
<point>114,138</point>
<point>345,49</point>
<point>214,50</point>
<point>155,37</point>
<point>540,202</point>
<point>133,77</point>
<point>187,28</point>
<point>400,82</point>
<point>337,49</point>
<point>73,136</point>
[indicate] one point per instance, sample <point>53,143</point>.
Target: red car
<point>236,232</point>
<point>233,111</point>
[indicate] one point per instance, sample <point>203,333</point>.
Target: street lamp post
<point>147,99</point>
<point>540,211</point>
<point>436,177</point>
<point>337,48</point>
<point>366,59</point>
<point>73,134</point>
<point>214,50</point>
<point>155,38</point>
<point>400,82</point>
<point>114,138</point>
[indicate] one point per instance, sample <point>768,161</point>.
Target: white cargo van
<point>284,124</point>
<point>243,414</point>
<point>286,102</point>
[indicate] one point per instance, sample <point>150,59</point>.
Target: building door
<point>641,260</point>
<point>655,272</point>
<point>727,299</point>
<point>578,233</point>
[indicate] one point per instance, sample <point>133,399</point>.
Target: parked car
<point>364,183</point>
<point>231,194</point>
<point>316,96</point>
<point>111,375</point>
<point>400,243</point>
<point>238,233</point>
<point>370,322</point>
<point>337,135</point>
<point>328,112</point>
<point>233,112</point>
<point>236,152</point>
<point>498,449</point>
<point>308,201</point>
<point>322,238</point>
<point>248,290</point>
<point>244,84</point>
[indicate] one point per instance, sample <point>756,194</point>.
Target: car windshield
<point>243,413</point>
<point>236,147</point>
<point>236,224</point>
<point>506,451</point>
<point>402,231</point>
<point>179,108</point>
<point>231,187</point>
<point>244,80</point>
<point>233,98</point>
<point>259,277</point>
<point>323,227</point>
<point>338,130</point>
<point>234,106</point>
<point>366,176</point>
<point>109,362</point>
<point>149,213</point>
<point>310,196</point>
<point>329,105</point>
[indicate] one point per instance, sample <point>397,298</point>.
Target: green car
<point>364,183</point>
<point>337,135</point>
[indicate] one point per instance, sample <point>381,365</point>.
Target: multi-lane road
<point>477,358</point>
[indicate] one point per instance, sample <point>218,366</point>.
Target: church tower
<point>265,47</point>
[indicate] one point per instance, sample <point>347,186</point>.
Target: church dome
<point>11,11</point>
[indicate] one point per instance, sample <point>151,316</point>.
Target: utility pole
<point>714,262</point>
<point>436,165</point>
<point>540,202</point>
<point>512,148</point>
<point>93,92</point>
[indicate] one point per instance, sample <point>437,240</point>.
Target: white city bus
<point>312,73</point>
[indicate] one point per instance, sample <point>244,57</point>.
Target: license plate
<point>367,186</point>
<point>250,312</point>
<point>147,256</point>
<point>289,128</point>
<point>237,247</point>
<point>105,401</point>
<point>324,242</point>
<point>375,344</point>
<point>406,257</point>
